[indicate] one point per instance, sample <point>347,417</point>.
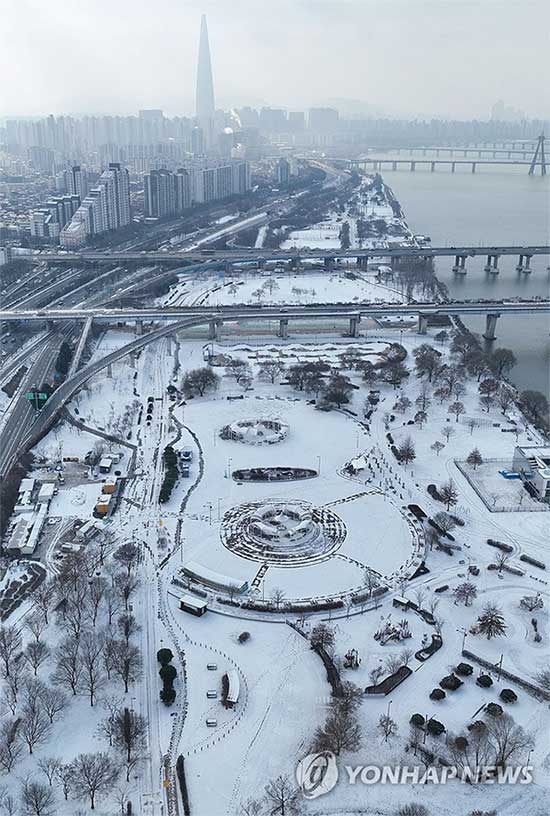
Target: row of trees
<point>92,611</point>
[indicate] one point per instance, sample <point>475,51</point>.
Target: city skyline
<point>288,56</point>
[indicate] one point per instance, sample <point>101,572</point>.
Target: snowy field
<point>284,695</point>
<point>279,287</point>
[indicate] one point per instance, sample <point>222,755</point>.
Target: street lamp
<point>464,636</point>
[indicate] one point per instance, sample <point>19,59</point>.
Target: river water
<point>493,206</point>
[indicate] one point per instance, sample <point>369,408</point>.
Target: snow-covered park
<point>331,554</point>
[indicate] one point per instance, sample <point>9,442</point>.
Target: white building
<point>533,463</point>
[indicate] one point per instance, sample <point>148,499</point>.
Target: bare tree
<point>341,732</point>
<point>501,560</point>
<point>375,674</point>
<point>128,627</point>
<point>10,744</point>
<point>283,797</point>
<point>8,804</point>
<point>270,370</point>
<point>50,767</point>
<point>126,585</point>
<point>35,654</point>
<point>9,699</point>
<point>370,581</point>
<point>65,778</point>
<point>393,663</point>
<point>35,624</point>
<point>387,727</point>
<point>252,807</point>
<point>127,556</point>
<point>437,446</point>
<point>10,644</point>
<point>351,697</point>
<point>406,451</point>
<point>35,725</point>
<point>447,431</point>
<point>68,669</point>
<point>129,665</point>
<point>419,595</point>
<point>110,652</point>
<point>444,522</point>
<point>74,608</point>
<point>543,678</point>
<point>16,679</point>
<point>43,596</point>
<point>53,701</point>
<point>130,731</point>
<point>92,670</point>
<point>322,636</point>
<point>97,590</point>
<point>508,739</point>
<point>94,774</point>
<point>277,596</point>
<point>113,603</point>
<point>37,799</point>
<point>405,656</point>
<point>472,423</point>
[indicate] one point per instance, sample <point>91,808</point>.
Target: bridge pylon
<point>539,150</point>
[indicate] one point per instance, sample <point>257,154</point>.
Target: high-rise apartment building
<point>105,207</point>
<point>49,220</point>
<point>76,181</point>
<point>296,121</point>
<point>160,194</point>
<point>198,144</point>
<point>282,171</point>
<point>323,119</point>
<point>273,120</point>
<point>42,158</point>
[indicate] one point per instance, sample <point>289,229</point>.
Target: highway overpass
<point>262,256</point>
<point>215,316</point>
<point>234,312</point>
<point>214,319</point>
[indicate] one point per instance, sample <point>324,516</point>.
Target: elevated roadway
<point>163,313</point>
<point>180,319</point>
<point>244,256</point>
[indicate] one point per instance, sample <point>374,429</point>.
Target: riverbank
<point>493,208</point>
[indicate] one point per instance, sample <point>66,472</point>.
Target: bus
<point>193,605</point>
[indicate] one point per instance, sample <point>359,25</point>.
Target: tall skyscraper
<point>205,86</point>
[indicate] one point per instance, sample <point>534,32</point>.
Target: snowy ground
<point>278,287</point>
<point>365,205</point>
<point>284,693</point>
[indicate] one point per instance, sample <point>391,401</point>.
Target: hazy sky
<point>442,57</point>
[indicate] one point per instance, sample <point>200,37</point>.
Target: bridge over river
<point>227,259</point>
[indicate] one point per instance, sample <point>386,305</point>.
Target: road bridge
<point>215,316</point>
<point>524,152</point>
<point>214,319</point>
<point>227,259</point>
<point>378,163</point>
